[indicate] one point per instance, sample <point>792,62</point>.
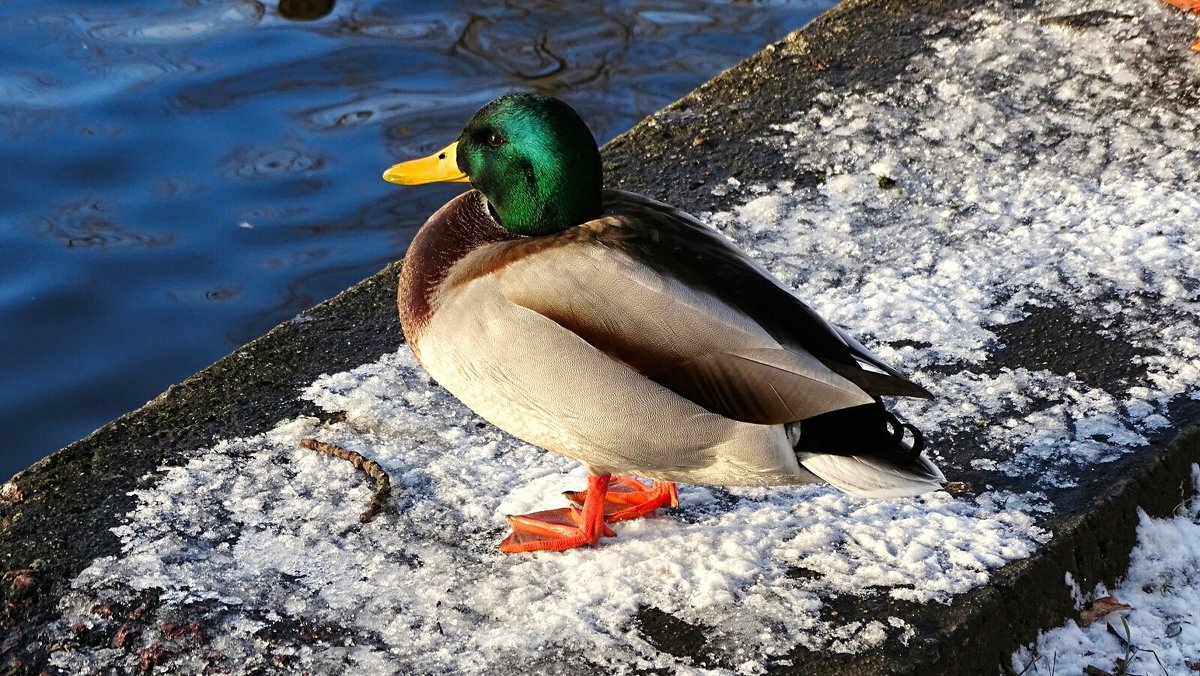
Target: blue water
<point>180,176</point>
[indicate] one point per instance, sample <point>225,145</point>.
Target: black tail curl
<point>897,429</point>
<point>869,429</point>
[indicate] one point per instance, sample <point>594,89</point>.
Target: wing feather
<point>683,339</point>
<point>654,289</point>
<point>656,234</point>
<point>752,389</point>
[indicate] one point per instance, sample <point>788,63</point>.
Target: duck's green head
<point>531,156</point>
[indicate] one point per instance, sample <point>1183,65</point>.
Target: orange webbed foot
<point>628,498</point>
<point>1185,5</point>
<point>1188,6</point>
<point>564,528</point>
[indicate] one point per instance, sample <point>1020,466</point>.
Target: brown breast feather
<point>461,242</point>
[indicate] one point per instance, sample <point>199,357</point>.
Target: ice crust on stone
<point>1160,634</point>
<point>988,180</point>
<point>260,528</point>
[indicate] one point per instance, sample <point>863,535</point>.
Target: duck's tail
<point>862,450</point>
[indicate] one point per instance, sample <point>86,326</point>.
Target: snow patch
<point>261,533</point>
<point>1161,633</point>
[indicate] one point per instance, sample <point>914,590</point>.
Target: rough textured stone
<point>56,517</point>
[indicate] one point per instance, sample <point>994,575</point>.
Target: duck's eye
<point>494,139</point>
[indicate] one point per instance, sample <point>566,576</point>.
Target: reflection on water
<point>529,46</point>
<point>183,175</point>
<point>304,10</point>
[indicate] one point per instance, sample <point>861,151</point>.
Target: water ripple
<point>677,18</point>
<point>42,90</point>
<point>88,223</point>
<point>300,78</point>
<point>200,23</point>
<point>408,29</point>
<point>534,47</point>
<point>260,162</point>
<point>396,105</point>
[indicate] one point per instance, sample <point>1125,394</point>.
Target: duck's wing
<point>607,282</point>
<point>677,245</point>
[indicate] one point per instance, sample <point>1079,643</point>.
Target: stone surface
<point>57,518</point>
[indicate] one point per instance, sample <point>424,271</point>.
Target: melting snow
<point>1015,164</point>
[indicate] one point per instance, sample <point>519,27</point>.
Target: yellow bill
<point>437,168</point>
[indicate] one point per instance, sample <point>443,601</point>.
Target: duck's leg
<point>628,498</point>
<point>564,528</point>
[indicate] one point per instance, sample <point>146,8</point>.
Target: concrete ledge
<point>761,124</point>
<point>55,517</point>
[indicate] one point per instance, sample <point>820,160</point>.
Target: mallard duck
<point>623,333</point>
